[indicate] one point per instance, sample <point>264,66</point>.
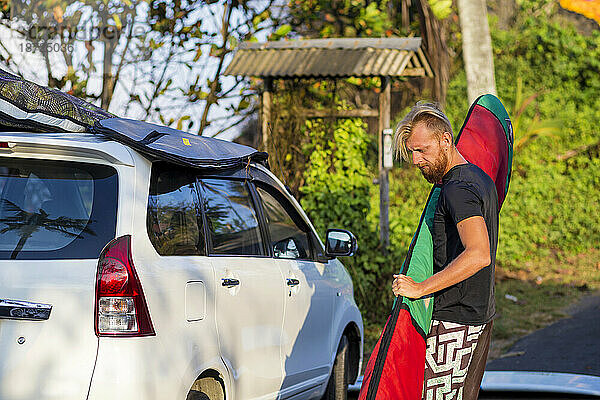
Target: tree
<point>207,33</point>
<point>433,16</point>
<point>362,18</point>
<point>154,60</point>
<point>477,48</point>
<point>72,41</point>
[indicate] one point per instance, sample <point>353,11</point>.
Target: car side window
<point>288,240</point>
<point>231,218</point>
<point>173,221</point>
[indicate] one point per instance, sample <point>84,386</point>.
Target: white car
<point>123,277</point>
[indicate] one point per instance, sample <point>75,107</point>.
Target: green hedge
<point>338,192</point>
<point>551,206</point>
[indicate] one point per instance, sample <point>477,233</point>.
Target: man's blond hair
<point>423,112</point>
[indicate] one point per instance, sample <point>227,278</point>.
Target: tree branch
<point>212,95</point>
<point>159,83</point>
<point>575,152</point>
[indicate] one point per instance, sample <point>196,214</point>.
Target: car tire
<point>196,395</point>
<point>337,387</point>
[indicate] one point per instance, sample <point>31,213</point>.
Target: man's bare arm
<point>476,255</point>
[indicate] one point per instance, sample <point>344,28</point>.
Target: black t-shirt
<point>466,192</point>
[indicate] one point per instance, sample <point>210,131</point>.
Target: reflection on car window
<point>287,239</point>
<point>173,220</point>
<point>47,209</point>
<point>231,217</point>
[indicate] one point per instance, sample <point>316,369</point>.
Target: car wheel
<point>337,387</point>
<point>196,395</point>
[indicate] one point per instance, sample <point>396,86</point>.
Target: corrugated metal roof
<point>398,43</point>
<point>331,57</point>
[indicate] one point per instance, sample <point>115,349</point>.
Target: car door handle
<point>230,282</point>
<point>18,309</point>
<point>292,282</point>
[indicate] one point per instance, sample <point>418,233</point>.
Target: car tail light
<point>121,308</point>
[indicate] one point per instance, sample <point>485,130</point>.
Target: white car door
<point>309,297</point>
<point>250,289</point>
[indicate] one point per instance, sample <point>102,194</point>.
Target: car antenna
<point>278,160</point>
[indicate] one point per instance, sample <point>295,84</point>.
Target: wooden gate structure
<point>341,58</point>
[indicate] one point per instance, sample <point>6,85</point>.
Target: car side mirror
<point>340,243</point>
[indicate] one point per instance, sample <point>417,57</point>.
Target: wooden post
<point>385,100</point>
<point>265,112</point>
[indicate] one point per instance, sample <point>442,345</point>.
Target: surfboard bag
<point>26,106</point>
<point>396,367</point>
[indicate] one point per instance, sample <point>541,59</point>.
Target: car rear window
<point>55,209</point>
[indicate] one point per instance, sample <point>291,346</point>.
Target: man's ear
<point>447,139</point>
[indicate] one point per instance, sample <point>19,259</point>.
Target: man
<point>465,237</point>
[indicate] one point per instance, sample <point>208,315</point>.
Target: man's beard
<point>433,173</point>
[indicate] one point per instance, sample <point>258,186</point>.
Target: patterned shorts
<point>455,360</point>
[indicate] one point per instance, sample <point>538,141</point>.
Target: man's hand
<point>405,286</point>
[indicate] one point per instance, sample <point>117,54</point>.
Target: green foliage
<point>441,8</point>
<point>347,18</point>
<point>408,194</point>
<point>552,206</point>
<point>552,200</point>
<point>337,181</point>
<point>281,32</point>
<point>338,193</point>
<point>537,127</point>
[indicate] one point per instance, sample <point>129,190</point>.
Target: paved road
<point>570,345</point>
